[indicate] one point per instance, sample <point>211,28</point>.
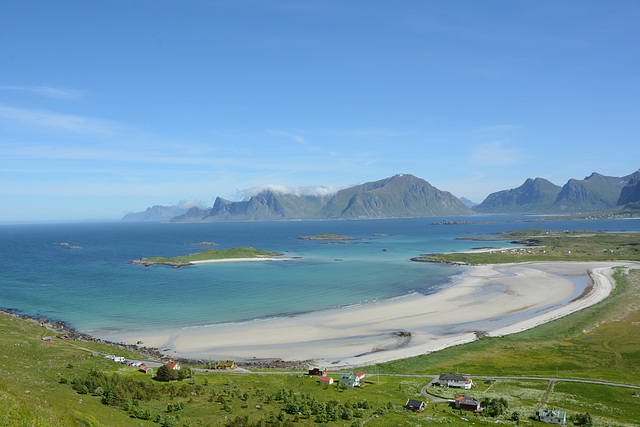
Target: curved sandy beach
<point>489,299</point>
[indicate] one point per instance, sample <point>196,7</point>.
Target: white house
<point>552,416</point>
<point>452,380</point>
<point>349,380</point>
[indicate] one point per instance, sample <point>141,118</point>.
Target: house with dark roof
<point>414,405</point>
<point>467,404</point>
<point>453,380</point>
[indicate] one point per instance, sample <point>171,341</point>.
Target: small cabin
<point>326,380</point>
<point>414,405</point>
<point>467,404</point>
<point>46,339</point>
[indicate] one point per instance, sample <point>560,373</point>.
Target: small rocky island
<point>450,222</point>
<point>210,255</point>
<point>326,236</point>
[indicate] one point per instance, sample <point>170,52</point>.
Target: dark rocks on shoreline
<point>450,222</point>
<point>440,261</point>
<point>201,244</point>
<point>146,263</point>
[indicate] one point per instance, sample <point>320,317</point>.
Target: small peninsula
<point>242,253</point>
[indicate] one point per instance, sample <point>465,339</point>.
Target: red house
<point>173,365</point>
<point>317,370</point>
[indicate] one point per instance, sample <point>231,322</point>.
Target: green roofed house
<point>349,380</point>
<point>552,416</point>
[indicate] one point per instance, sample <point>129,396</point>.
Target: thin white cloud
<point>48,91</point>
<point>66,122</point>
<point>293,136</point>
<point>298,191</point>
<point>495,153</point>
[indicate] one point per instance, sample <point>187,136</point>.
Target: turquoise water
<point>95,290</point>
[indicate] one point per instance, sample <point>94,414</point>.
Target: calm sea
<point>95,290</point>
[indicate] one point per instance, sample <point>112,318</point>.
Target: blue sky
<point>111,107</point>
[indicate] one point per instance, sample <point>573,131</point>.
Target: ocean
<point>94,289</point>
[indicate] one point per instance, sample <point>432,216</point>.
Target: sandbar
<point>489,300</point>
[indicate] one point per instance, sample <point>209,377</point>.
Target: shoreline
<point>488,300</point>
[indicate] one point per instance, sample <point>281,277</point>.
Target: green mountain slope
<point>399,196</point>
<point>534,196</point>
<point>594,193</point>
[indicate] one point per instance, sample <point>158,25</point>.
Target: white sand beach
<point>209,261</point>
<point>490,299</point>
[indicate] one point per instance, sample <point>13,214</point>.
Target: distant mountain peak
<point>398,196</point>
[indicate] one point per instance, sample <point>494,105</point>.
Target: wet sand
<point>489,299</point>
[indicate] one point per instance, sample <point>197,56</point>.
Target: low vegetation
<point>209,255</point>
<point>546,245</point>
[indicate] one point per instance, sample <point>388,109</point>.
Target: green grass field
<point>544,245</point>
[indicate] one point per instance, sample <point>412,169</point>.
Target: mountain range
<point>406,196</point>
<point>400,196</point>
<point>591,194</point>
